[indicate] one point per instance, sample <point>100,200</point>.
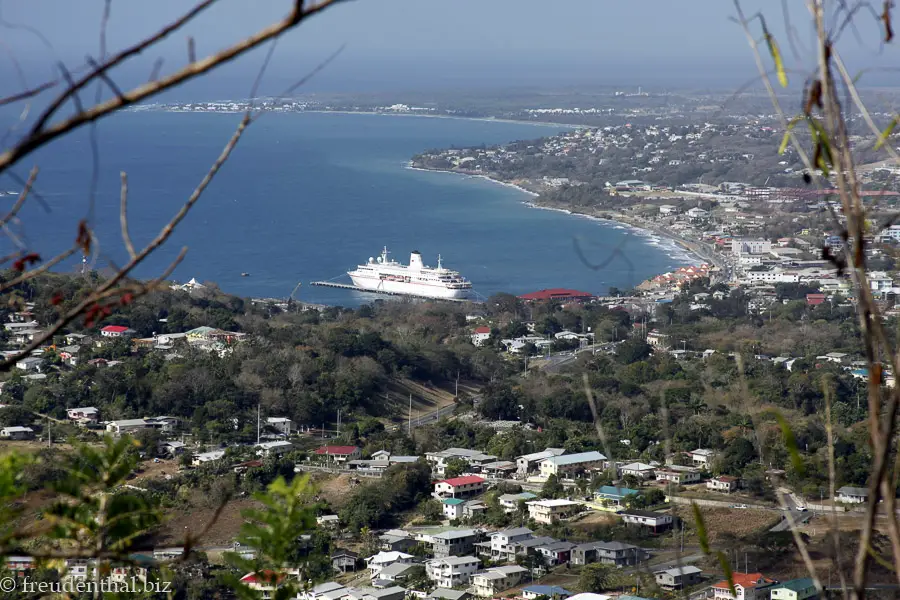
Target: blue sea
<point>309,196</point>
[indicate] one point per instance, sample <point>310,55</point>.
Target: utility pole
<point>258,408</point>
<point>456,393</point>
<point>49,434</point>
<point>339,423</point>
<point>409,427</point>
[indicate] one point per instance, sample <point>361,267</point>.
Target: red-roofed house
<point>815,299</point>
<point>459,487</point>
<point>339,454</point>
<point>557,294</point>
<point>117,331</point>
<point>481,335</point>
<point>749,586</point>
<point>264,582</point>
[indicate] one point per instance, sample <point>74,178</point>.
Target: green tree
<point>552,488</point>
<point>596,578</point>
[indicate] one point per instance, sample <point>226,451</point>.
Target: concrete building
<point>618,554</point>
<point>528,463</point>
<point>493,581</point>
<point>637,469</point>
<point>452,508</point>
<point>458,542</point>
<point>554,592</point>
<point>678,475</point>
<point>83,415</point>
<point>572,464</point>
<point>723,483</point>
<point>459,487</point>
<point>702,457</point>
<point>273,448</point>
<point>282,425</point>
<point>654,521</point>
<point>17,433</point>
<point>678,578</point>
<point>548,512</point>
<point>452,571</point>
<point>503,544</point>
<point>510,502</point>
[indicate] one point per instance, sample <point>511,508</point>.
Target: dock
<point>347,286</point>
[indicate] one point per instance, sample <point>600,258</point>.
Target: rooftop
<point>571,459</point>
<point>465,480</point>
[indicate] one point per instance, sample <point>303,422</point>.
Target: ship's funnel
<point>415,261</point>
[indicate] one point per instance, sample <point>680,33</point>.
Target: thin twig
<point>123,215</point>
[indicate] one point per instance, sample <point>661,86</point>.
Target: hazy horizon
<point>426,45</point>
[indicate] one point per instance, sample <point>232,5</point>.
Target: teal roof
<point>796,585</point>
<point>453,501</point>
<point>611,491</point>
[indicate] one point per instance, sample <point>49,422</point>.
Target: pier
<point>347,286</point>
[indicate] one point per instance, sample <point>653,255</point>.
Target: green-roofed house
<point>795,589</point>
<point>453,507</point>
<point>613,496</point>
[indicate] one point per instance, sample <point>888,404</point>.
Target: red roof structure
<point>464,480</point>
<point>482,329</point>
<point>815,299</point>
<point>745,580</point>
<point>115,329</point>
<point>557,294</point>
<point>337,450</point>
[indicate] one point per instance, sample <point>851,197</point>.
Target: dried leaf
<point>886,17</point>
<point>813,97</point>
<point>84,237</point>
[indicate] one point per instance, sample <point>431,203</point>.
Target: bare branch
<point>41,135</point>
<point>23,195</point>
<point>123,215</point>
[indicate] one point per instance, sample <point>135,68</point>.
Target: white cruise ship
<point>416,279</point>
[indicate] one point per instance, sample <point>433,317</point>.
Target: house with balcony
<point>548,512</point>
<point>459,487</point>
<point>377,562</point>
<point>556,553</point>
<point>338,454</point>
<point>503,545</point>
<point>618,554</point>
<point>656,522</point>
<point>702,457</point>
<point>493,581</point>
<point>83,415</point>
<point>678,578</point>
<point>452,571</point>
<point>749,586</point>
<point>678,475</point>
<point>510,502</point>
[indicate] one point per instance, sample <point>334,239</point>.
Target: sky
<point>424,44</point>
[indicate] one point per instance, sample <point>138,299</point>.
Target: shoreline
<point>694,256</point>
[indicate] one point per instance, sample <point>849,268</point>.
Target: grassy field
<point>721,522</point>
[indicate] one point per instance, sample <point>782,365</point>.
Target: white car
<point>801,508</point>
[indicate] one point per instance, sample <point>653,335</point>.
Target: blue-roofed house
<point>550,591</point>
<point>612,497</point>
<point>794,589</point>
<point>453,507</point>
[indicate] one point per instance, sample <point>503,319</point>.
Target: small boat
<point>245,274</point>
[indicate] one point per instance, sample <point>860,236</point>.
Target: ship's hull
<point>412,289</point>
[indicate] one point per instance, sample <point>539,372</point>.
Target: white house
<point>205,457</point>
<point>637,469</point>
<point>678,475</point>
<point>530,462</point>
<point>459,487</point>
<point>654,521</point>
<point>510,502</point>
<point>452,571</point>
<point>493,581</point>
<point>377,562</point>
<point>117,331</point>
<point>503,543</point>
<point>481,335</point>
<point>282,425</point>
<point>453,507</point>
<point>702,457</point>
<point>851,495</point>
<point>794,589</point>
<point>723,483</point>
<point>17,433</point>
<point>30,363</point>
<point>570,464</point>
<point>548,512</point>
<point>84,414</point>
<point>749,586</point>
<point>273,448</point>
<point>130,426</point>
